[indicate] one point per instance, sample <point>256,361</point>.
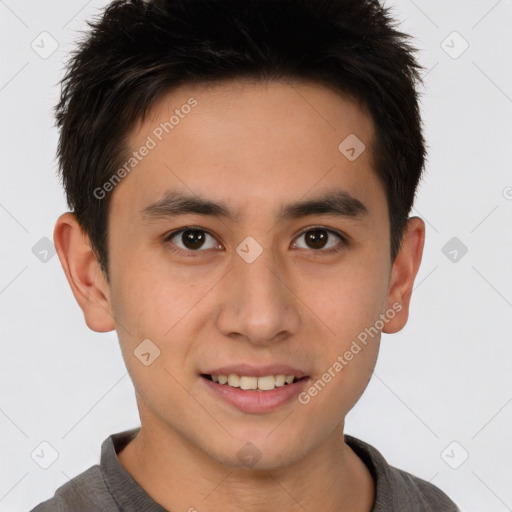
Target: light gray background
<point>446,377</point>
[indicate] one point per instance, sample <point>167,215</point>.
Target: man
<point>240,175</point>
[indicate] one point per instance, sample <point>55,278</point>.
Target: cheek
<point>158,302</point>
<point>149,293</point>
<point>350,304</point>
<point>349,300</point>
<point>150,315</point>
<point>149,308</point>
<point>347,358</point>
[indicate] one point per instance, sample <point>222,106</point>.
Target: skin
<point>255,146</point>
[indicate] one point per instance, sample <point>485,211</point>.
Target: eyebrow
<point>335,202</point>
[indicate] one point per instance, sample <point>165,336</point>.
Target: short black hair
<point>137,51</point>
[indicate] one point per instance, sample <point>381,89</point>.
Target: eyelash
<point>190,253</point>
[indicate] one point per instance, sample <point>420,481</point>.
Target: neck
<point>179,476</point>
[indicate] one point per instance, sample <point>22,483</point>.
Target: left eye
<point>317,238</point>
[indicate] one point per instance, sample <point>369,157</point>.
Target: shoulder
<point>86,491</point>
<point>425,495</point>
<point>396,489</point>
<point>94,490</point>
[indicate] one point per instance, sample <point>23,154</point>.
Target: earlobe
<point>405,269</point>
<point>83,272</point>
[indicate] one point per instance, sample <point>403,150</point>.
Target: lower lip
<point>257,401</point>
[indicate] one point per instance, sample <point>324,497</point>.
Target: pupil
<point>316,238</point>
<point>192,238</point>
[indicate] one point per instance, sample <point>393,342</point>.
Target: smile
<point>245,394</point>
<point>244,382</point>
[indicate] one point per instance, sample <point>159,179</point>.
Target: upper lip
<point>257,371</point>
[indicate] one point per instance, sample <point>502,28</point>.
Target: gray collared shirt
<point>108,487</point>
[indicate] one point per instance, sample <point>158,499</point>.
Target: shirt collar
<point>126,492</point>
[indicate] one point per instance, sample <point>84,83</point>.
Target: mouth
<point>251,382</point>
<point>254,388</point>
<point>255,394</point>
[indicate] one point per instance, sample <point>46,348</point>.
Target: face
<point>256,285</point>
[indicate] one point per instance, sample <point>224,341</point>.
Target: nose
<point>258,302</point>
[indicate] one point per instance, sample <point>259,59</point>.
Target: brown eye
<point>318,239</point>
<point>192,239</point>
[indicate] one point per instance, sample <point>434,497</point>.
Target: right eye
<point>192,239</point>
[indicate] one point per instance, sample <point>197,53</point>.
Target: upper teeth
<point>263,383</point>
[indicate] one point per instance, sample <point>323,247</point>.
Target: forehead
<point>254,142</point>
<point>239,107</point>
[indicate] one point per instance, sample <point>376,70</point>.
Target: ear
<point>83,272</point>
<point>405,268</point>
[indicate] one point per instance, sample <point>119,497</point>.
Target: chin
<point>258,453</point>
